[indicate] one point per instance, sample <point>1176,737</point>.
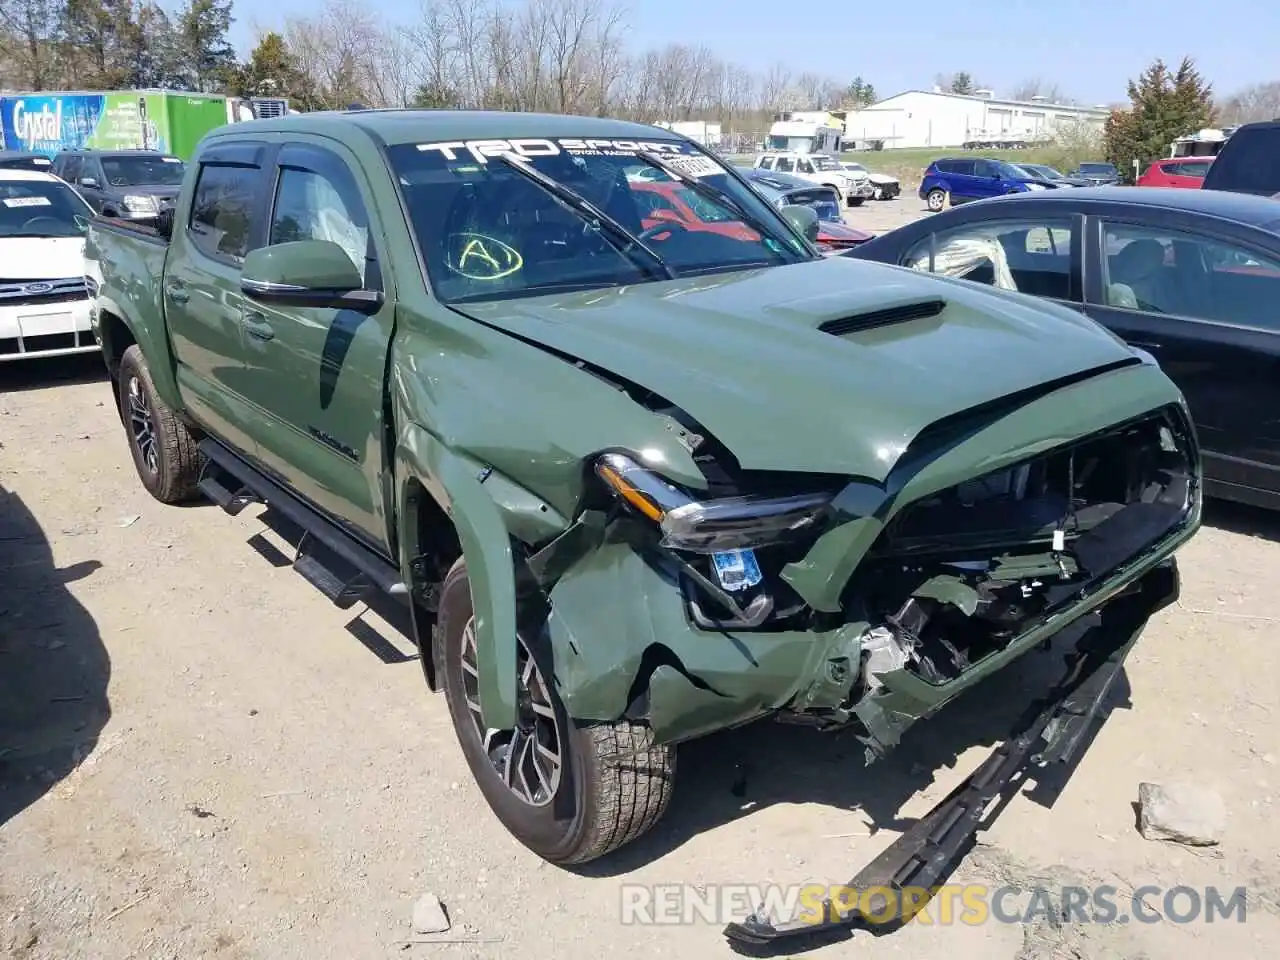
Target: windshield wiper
<point>623,239</point>
<point>708,192</point>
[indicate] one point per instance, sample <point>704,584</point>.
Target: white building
<point>922,118</point>
<point>706,133</point>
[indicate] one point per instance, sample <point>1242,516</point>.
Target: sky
<point>1089,48</point>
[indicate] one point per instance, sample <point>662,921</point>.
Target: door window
<point>786,165</point>
<point>804,166</point>
<point>222,209</point>
<point>310,206</point>
<point>1172,272</point>
<point>71,169</point>
<point>1029,256</point>
<point>766,163</point>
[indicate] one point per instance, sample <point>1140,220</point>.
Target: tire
<point>936,199</point>
<point>856,201</point>
<point>613,784</point>
<point>164,451</point>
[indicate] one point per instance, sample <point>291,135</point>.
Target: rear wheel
<point>569,793</point>
<point>936,199</point>
<point>164,451</point>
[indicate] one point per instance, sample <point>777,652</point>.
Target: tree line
<point>564,56</point>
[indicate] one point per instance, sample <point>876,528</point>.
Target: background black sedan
<point>1191,276</point>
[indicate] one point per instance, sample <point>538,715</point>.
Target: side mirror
<point>804,219</point>
<point>306,273</point>
<point>88,182</point>
<point>164,223</point>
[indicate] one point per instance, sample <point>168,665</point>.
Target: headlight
<point>710,526</point>
<point>140,203</point>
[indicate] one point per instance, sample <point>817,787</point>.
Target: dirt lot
<point>200,757</point>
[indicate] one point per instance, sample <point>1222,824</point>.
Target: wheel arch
<point>446,511</point>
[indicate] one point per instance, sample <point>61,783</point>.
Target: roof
<point>7,174</point>
<point>1240,207</point>
<point>1034,104</point>
<point>397,126</point>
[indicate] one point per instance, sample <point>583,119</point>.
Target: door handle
<point>177,292</point>
<point>256,325</point>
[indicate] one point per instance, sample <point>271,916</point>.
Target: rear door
<point>1188,174</point>
<point>213,230</point>
<point>961,182</point>
<point>316,377</point>
<point>1204,304</point>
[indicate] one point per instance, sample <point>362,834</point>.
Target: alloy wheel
<point>142,425</point>
<point>529,758</point>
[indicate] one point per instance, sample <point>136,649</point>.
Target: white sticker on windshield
<point>529,148</point>
<point>27,202</point>
<point>694,165</point>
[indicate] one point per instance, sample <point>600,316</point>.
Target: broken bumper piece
<point>1050,731</point>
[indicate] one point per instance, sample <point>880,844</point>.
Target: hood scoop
<point>901,313</point>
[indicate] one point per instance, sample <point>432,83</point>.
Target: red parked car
<point>1176,172</point>
<point>674,201</point>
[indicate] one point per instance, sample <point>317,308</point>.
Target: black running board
<point>918,859</point>
<point>340,567</point>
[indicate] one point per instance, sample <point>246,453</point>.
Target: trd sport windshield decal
<point>479,151</point>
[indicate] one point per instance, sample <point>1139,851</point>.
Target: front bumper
<point>45,330</point>
<point>898,883</point>
<point>862,190</point>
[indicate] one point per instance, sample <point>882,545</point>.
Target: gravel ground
<point>200,757</point>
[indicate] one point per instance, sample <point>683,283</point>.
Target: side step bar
<point>918,859</point>
<point>340,567</point>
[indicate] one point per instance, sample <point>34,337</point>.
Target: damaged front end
<point>838,601</point>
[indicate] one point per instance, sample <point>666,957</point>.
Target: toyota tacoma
<point>634,484</point>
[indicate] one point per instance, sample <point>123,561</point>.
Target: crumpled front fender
<point>455,482</point>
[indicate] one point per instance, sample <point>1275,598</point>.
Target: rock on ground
<point>1181,812</point>
<point>429,915</point>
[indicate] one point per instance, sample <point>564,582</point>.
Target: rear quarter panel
<point>129,268</point>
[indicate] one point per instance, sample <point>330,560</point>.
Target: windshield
<point>487,232</point>
<point>825,163</point>
<point>1047,172</point>
<point>1010,172</point>
<point>41,208</point>
<point>143,171</point>
<point>1100,168</point>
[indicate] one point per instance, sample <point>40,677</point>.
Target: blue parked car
<point>965,179</point>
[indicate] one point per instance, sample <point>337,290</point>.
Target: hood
<point>41,258</point>
<point>830,230</point>
<point>150,190</point>
<point>881,178</point>
<point>742,354</point>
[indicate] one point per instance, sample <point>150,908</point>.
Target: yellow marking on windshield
<point>487,258</point>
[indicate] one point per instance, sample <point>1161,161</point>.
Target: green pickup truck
<point>637,479</point>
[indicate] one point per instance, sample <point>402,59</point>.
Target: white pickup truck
<point>853,187</point>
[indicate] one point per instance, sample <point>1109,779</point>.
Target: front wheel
<point>936,199</point>
<point>569,793</point>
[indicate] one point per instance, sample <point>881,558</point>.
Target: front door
<point>201,285</point>
<point>1205,307</point>
<point>317,376</point>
